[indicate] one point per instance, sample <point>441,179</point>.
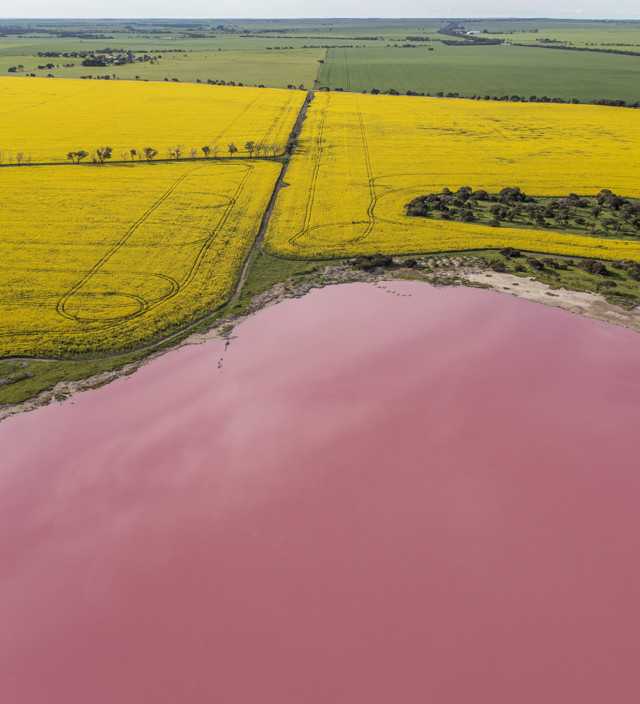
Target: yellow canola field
<point>361,158</point>
<point>45,119</point>
<point>102,258</point>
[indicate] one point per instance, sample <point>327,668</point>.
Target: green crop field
<point>479,70</point>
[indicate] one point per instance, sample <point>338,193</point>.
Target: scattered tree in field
<point>103,153</point>
<point>232,149</point>
<point>366,263</point>
<point>124,155</point>
<point>19,158</point>
<point>250,147</point>
<point>606,285</point>
<point>593,266</point>
<point>133,152</point>
<point>76,157</point>
<point>193,152</point>
<point>149,153</point>
<point>634,271</point>
<point>508,252</point>
<point>206,150</point>
<point>100,154</point>
<point>215,151</point>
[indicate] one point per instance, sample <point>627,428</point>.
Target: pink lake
<point>367,498</point>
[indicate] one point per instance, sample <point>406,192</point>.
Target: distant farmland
<point>484,70</point>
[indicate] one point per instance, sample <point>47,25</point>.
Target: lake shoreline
<point>587,304</point>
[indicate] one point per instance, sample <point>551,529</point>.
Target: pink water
<point>375,498</point>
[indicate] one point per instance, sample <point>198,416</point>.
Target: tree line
<point>505,98</point>
<point>179,151</point>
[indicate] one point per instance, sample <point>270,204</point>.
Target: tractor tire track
<point>233,122</point>
<point>370,177</point>
<point>62,303</point>
<point>314,175</point>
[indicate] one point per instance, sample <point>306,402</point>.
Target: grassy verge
<point>265,271</point>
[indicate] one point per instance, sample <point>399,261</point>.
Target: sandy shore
<point>591,305</point>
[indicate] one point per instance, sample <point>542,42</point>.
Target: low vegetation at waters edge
<point>101,260</point>
<point>361,158</point>
<point>617,281</point>
<point>603,215</point>
<point>55,121</point>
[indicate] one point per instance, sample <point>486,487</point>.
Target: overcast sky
<point>587,9</point>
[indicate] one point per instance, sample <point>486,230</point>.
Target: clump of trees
<point>367,263</point>
<point>101,154</point>
<point>603,215</point>
<point>77,157</point>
